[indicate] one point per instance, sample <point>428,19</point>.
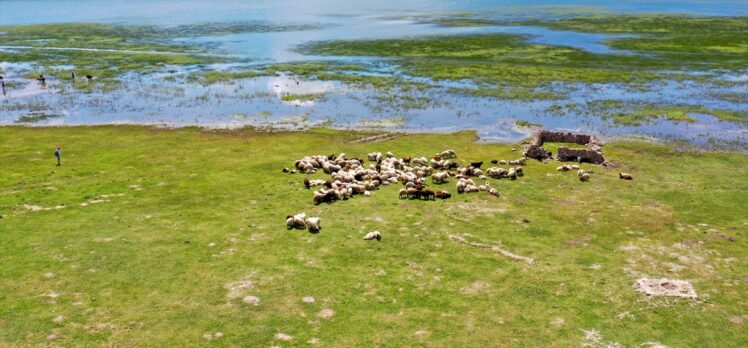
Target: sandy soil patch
<point>475,288</point>
<point>326,313</point>
<point>665,287</point>
<point>240,287</point>
<point>32,207</point>
<point>494,248</point>
<point>283,337</point>
<point>251,300</point>
<point>308,299</point>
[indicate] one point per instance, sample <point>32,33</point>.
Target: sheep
<point>476,164</point>
<point>521,161</point>
<point>440,177</point>
<point>443,195</point>
<point>519,171</point>
<point>580,172</point>
<point>563,168</point>
<point>625,176</point>
<point>306,183</point>
<point>373,235</point>
<point>478,172</point>
<point>286,170</point>
<point>503,162</point>
<point>461,186</point>
<point>471,188</point>
<point>584,177</point>
<point>403,193</point>
<point>575,167</point>
<point>428,194</point>
<point>413,193</point>
<point>313,224</point>
<point>297,221</point>
<point>512,173</point>
<point>482,187</point>
<point>493,192</point>
<point>493,161</point>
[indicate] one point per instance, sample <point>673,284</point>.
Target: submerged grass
<point>182,214</point>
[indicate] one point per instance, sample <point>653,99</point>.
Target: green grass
<point>138,269</point>
<point>303,97</point>
<point>211,77</point>
<point>621,112</point>
<point>666,44</point>
<point>685,41</point>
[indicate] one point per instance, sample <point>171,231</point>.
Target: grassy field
<point>164,232</point>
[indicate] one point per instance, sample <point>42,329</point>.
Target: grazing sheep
<point>519,171</point>
<point>471,188</point>
<point>476,164</point>
<point>512,173</point>
<point>563,168</point>
<point>439,178</point>
<point>494,161</point>
<point>503,162</point>
<point>296,221</point>
<point>575,167</point>
<point>584,177</point>
<point>286,170</point>
<point>403,193</point>
<point>482,187</point>
<point>373,235</point>
<point>625,176</point>
<point>413,193</point>
<point>493,192</point>
<point>428,194</point>
<point>443,195</point>
<point>306,183</point>
<point>313,224</point>
<point>580,172</point>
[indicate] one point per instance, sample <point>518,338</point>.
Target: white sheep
<point>313,224</point>
<point>373,235</point>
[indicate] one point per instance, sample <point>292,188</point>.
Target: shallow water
<point>150,99</point>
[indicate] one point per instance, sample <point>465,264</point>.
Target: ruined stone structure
<point>592,153</point>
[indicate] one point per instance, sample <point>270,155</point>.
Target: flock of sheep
<point>350,176</point>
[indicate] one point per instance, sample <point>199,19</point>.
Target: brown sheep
<point>428,194</point>
<point>625,176</point>
<point>443,195</point>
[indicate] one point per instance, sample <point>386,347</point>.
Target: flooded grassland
<point>671,77</point>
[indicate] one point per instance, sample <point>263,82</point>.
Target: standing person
<point>58,154</point>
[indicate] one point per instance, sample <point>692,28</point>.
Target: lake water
<point>256,101</point>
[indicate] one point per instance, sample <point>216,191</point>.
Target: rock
<point>326,313</point>
<point>283,337</point>
<point>665,287</point>
<point>251,300</point>
<point>308,299</point>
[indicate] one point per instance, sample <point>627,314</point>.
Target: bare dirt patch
<point>494,248</point>
<point>481,208</point>
<point>475,288</point>
<point>251,300</point>
<point>665,287</point>
<point>308,299</point>
<point>283,337</point>
<point>326,313</point>
<point>240,287</point>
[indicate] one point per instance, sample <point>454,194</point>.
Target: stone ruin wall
<point>592,153</point>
